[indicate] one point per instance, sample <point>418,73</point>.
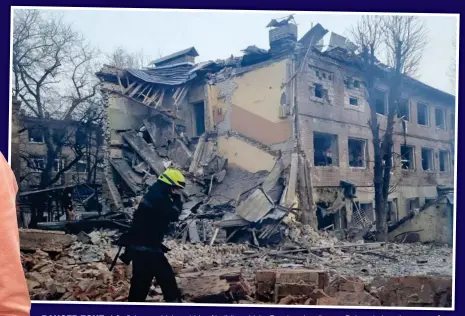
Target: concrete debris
<point>255,207</point>
<point>414,291</point>
<point>147,153</point>
<point>48,241</point>
<point>239,273</point>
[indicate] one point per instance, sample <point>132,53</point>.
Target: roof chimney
<point>282,32</point>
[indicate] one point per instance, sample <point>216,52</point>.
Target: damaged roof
<point>191,51</point>
<point>170,75</point>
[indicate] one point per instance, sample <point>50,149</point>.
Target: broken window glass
<point>443,161</point>
<point>413,204</point>
<point>427,159</point>
<point>35,135</point>
<point>406,154</point>
<point>59,136</point>
<point>357,153</point>
<point>380,102</point>
<point>423,114</point>
<point>199,111</point>
<point>392,213</point>
<point>440,118</point>
<point>403,110</point>
<point>353,101</point>
<point>429,200</point>
<point>81,166</point>
<point>37,163</point>
<point>356,84</point>
<point>81,138</point>
<point>319,92</point>
<point>325,220</point>
<point>58,165</point>
<point>325,149</point>
<point>368,210</point>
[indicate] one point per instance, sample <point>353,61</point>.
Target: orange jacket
<point>14,296</point>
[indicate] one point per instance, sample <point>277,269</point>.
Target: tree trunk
<point>378,179</point>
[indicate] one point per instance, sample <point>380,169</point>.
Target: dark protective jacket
<point>152,218</point>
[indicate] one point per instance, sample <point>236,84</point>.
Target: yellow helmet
<point>173,177</point>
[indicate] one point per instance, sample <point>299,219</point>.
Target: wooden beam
<point>145,88</point>
<point>160,99</point>
<point>136,89</point>
<point>148,94</point>
<point>129,87</point>
<point>120,84</point>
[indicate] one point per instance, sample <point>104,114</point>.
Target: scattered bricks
<point>119,273</point>
<point>265,283</point>
<point>415,291</point>
<point>264,291</point>
<point>288,300</point>
<point>283,290</point>
<point>204,289</point>
<point>317,294</point>
<point>328,301</point>
<point>266,276</point>
<point>31,285</point>
<point>357,299</point>
<point>284,282</point>
<point>37,277</point>
<point>347,284</point>
<point>319,278</point>
<point>350,299</point>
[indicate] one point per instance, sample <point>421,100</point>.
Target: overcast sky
<point>218,34</point>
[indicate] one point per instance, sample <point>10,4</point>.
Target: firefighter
<point>160,206</point>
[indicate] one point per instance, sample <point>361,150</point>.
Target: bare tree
<point>123,59</point>
<point>452,71</point>
<point>403,39</point>
<point>52,73</point>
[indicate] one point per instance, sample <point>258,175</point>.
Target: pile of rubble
<point>241,205</point>
<point>76,268</point>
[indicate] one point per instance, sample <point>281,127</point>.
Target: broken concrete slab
<point>220,176</point>
<point>179,154</point>
<point>159,129</point>
<point>291,187</point>
<point>232,220</point>
<point>193,232</point>
<point>48,241</point>
<point>132,179</point>
<point>147,153</point>
<point>216,165</point>
<point>255,207</point>
<point>236,186</point>
<point>272,180</point>
<point>197,154</point>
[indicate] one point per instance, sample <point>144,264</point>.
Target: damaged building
<point>266,141</point>
<point>291,119</point>
<point>72,134</point>
<point>77,168</point>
